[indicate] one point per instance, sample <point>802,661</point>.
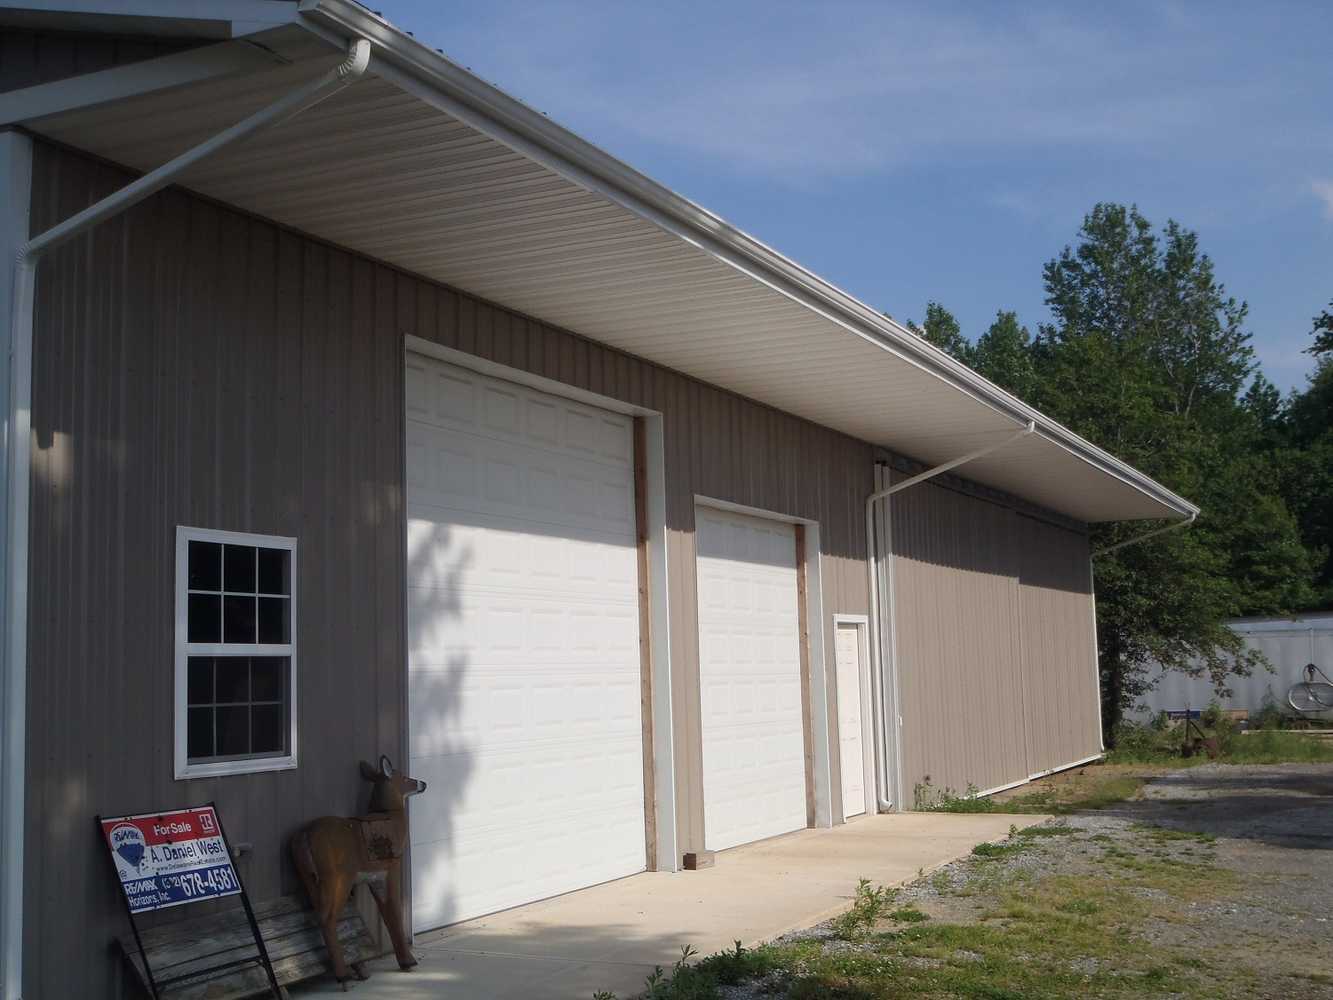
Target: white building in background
<point>1289,643</point>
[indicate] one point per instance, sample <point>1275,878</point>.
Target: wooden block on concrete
<point>699,860</point>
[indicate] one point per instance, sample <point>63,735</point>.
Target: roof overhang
<point>426,167</point>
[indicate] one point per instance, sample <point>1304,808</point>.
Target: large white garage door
<point>750,679</point>
<point>523,661</point>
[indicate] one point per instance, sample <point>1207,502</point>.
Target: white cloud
<point>1323,190</point>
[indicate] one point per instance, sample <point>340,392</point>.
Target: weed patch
<point>992,852</point>
<point>868,908</point>
<point>908,915</point>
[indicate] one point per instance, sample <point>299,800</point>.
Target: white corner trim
<point>15,206</point>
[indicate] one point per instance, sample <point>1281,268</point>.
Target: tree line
<point>1148,356</point>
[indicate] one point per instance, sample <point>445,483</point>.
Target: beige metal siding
<point>995,636</point>
<point>198,366</point>
<point>1058,650</point>
<point>958,660</point>
<point>195,366</point>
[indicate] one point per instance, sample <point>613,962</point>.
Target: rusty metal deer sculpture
<point>334,854</point>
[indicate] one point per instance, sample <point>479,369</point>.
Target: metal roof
<point>427,167</point>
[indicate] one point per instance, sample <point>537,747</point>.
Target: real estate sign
<point>168,859</point>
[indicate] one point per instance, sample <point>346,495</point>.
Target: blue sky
<point>909,152</point>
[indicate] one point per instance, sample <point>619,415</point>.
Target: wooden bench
<point>187,948</point>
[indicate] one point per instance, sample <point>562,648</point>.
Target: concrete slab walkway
<point>611,936</point>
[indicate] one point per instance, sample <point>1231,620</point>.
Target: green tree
<point>1323,333</point>
<point>1148,356</point>
<point>942,329</point>
<point>1003,354</point>
<point>1302,458</point>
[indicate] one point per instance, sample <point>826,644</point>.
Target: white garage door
<point>523,660</point>
<point>750,679</point>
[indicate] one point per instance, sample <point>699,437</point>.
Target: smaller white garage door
<point>750,679</point>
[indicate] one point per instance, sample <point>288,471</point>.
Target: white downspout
<point>18,434</point>
<point>1092,592</point>
<point>1146,535</point>
<point>888,794</point>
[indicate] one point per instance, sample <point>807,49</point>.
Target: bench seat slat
<point>296,948</point>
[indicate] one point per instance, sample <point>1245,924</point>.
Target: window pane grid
<point>237,646</point>
<point>222,724</point>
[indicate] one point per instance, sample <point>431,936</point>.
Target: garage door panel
<point>523,645</point>
<point>750,679</point>
<point>510,873</point>
<point>521,478</point>
<point>443,546</point>
<point>485,629</point>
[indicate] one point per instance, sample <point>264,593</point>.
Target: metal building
<point>1290,644</point>
<point>354,407</point>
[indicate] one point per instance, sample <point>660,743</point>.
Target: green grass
<point>1153,745</point>
<point>908,915</point>
<point>1270,747</point>
<point>1037,937</point>
<point>1058,830</point>
<point>1097,789</point>
<point>994,852</point>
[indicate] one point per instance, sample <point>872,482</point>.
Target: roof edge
<point>347,18</point>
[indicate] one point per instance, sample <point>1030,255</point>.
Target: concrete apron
<point>609,937</point>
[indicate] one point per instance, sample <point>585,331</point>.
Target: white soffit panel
<point>388,174</point>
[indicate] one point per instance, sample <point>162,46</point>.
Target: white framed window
<point>235,653</point>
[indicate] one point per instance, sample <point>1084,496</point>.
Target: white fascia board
<point>117,83</point>
<point>529,131</point>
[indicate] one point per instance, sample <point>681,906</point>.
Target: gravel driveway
<point>1274,827</point>
<point>1232,867</point>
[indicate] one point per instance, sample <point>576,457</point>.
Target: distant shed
<point>1289,644</point>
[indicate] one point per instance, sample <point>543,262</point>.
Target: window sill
<point>224,768</point>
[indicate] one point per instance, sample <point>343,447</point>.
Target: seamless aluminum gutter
<point>592,167</point>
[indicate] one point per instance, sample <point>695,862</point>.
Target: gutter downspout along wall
<point>884,656</point>
<point>18,447</point>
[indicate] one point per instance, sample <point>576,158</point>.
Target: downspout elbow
<point>354,66</point>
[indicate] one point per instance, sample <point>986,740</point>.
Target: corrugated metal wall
<point>959,662</point>
<point>994,642</point>
<point>194,366</point>
<point>1059,656</point>
<point>1289,645</point>
<point>198,366</point>
<point>28,58</point>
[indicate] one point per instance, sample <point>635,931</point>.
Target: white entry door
<point>750,679</point>
<point>523,659</point>
<point>847,653</point>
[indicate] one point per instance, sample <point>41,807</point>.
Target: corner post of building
<point>15,208</point>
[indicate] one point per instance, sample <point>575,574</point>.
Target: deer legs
<point>389,899</point>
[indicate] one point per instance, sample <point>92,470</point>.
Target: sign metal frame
<point>156,985</point>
